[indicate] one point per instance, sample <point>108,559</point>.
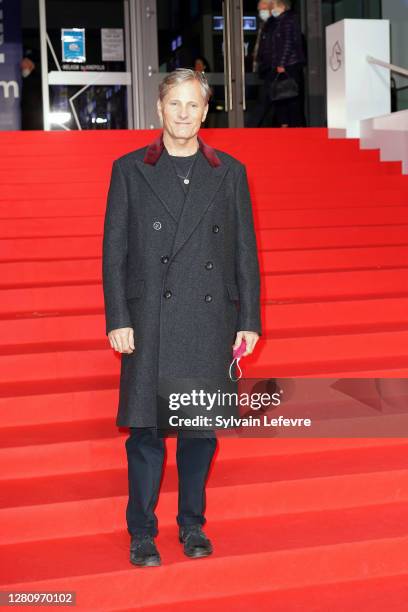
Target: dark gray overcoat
<point>186,285</point>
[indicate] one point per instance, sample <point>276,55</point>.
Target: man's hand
<point>250,337</point>
<point>280,69</point>
<point>122,339</point>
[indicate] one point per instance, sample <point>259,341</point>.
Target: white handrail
<point>392,67</point>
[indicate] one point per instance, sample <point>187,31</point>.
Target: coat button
<point>164,259</point>
<point>215,229</point>
<point>209,265</point>
<point>157,225</point>
<point>208,297</point>
<point>167,294</point>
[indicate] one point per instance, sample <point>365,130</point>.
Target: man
<point>179,251</point>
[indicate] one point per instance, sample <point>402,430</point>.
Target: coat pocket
<point>233,292</point>
<point>134,288</point>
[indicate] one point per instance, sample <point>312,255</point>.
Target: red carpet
<point>297,525</point>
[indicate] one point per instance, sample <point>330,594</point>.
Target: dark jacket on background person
<point>185,282</point>
<point>31,101</point>
<point>280,43</point>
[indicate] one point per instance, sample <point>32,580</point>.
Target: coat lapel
<point>208,174</point>
<point>205,181</point>
<point>163,182</point>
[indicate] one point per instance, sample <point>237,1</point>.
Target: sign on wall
<point>73,45</point>
<point>112,45</point>
<point>10,59</point>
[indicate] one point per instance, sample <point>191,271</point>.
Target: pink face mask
<point>236,355</point>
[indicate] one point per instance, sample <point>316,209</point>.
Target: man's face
<point>27,66</point>
<point>182,110</point>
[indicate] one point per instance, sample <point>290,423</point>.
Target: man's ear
<point>159,108</point>
<point>205,113</point>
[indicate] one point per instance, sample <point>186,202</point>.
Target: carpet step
<point>53,331</point>
<point>99,188</point>
<point>235,466</point>
<point>88,270</point>
<point>321,287</point>
<point>330,237</point>
<point>73,271</point>
<point>224,503</point>
<point>100,169</point>
<point>279,357</point>
<point>73,406</point>
<point>51,206</point>
<point>335,318</point>
<point>326,355</point>
<point>264,219</point>
<point>277,219</point>
<point>85,247</point>
<point>108,582</point>
<point>282,534</point>
<point>298,260</point>
<point>368,594</point>
<point>37,455</point>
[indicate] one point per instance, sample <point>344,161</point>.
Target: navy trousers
<point>145,454</point>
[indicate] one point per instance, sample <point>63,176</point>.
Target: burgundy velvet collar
<point>155,149</point>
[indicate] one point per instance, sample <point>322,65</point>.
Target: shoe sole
<point>149,562</point>
<point>198,554</point>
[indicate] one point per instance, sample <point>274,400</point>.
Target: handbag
<point>282,89</point>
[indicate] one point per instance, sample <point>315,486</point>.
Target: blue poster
<point>73,44</point>
<point>10,59</point>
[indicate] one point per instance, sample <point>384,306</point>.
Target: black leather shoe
<point>196,543</point>
<point>143,551</point>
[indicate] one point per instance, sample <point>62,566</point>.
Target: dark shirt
<point>183,167</point>
<point>281,43</point>
<point>179,165</point>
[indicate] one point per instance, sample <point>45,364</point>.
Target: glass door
<point>193,35</point>
<point>85,51</point>
<point>216,36</point>
<point>219,37</point>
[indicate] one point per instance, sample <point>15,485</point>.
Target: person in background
<point>256,117</point>
<point>31,94</point>
<point>201,64</point>
<point>280,49</point>
<point>264,12</point>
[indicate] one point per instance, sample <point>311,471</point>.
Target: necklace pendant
<point>186,181</point>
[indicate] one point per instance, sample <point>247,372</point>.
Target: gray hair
<point>286,3</point>
<point>181,75</point>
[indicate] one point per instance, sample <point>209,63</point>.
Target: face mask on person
<point>276,12</point>
<point>264,14</point>
<point>25,72</point>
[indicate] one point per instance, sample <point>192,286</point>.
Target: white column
<point>356,89</point>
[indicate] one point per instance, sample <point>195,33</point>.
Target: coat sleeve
<point>247,264</point>
<point>114,252</point>
<point>288,40</point>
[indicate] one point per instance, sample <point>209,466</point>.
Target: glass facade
<point>188,33</point>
